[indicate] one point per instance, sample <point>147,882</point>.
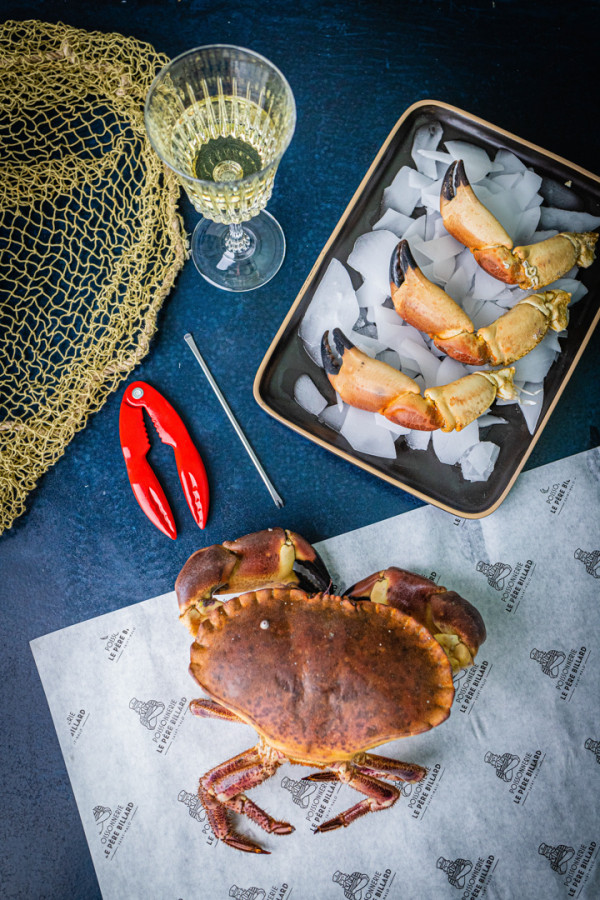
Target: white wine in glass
<point>221,118</point>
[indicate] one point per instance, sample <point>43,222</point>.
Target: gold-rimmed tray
<point>416,471</point>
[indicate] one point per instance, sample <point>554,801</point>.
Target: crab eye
<point>264,624</point>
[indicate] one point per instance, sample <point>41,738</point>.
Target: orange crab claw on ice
<point>532,266</point>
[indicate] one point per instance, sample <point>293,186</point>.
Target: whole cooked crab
<point>322,679</point>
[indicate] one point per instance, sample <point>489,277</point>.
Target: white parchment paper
<point>509,807</point>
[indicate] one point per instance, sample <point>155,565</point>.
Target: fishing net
<point>90,237</point>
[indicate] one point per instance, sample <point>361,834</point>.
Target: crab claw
<point>373,385</point>
<point>452,620</point>
<point>532,266</point>
<point>427,307</point>
<point>260,559</point>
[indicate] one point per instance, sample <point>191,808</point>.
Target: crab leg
<point>378,796</point>
<point>222,789</point>
<point>427,307</point>
<point>377,767</point>
<point>375,386</point>
<point>453,621</point>
<point>209,709</point>
<point>531,266</point>
<point>272,556</point>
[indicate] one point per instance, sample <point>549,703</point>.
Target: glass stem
<point>237,240</point>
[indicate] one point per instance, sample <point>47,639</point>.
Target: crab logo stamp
<point>76,722</point>
<point>496,574</point>
<point>470,686</point>
<point>113,825</point>
<point>519,774</point>
<point>163,721</point>
<point>511,581</point>
<point>593,747</point>
<point>301,791</point>
<point>148,711</point>
<point>198,813</point>
<point>361,886</point>
<point>503,764</point>
<point>250,893</point>
<point>101,814</point>
<point>565,670</point>
<point>472,878</point>
<point>590,559</point>
<point>115,643</point>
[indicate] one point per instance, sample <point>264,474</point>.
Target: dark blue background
<point>84,547</point>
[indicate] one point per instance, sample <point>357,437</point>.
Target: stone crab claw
<point>427,307</point>
<point>375,386</point>
<point>272,556</point>
<point>454,622</point>
<point>531,266</point>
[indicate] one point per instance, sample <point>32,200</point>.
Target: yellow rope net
<point>90,237</point>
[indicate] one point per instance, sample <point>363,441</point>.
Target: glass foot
<point>242,264</point>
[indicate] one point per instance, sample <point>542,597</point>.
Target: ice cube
<point>536,364</point>
<point>419,180</point>
<point>568,220</point>
<point>450,370</point>
<point>371,257</point>
<point>507,181</point>
<point>391,426</point>
<point>426,362</point>
<point>477,162</point>
<point>526,226</point>
<point>400,195</point>
<point>443,269</point>
<point>477,464</point>
<point>450,446</point>
<point>308,396</point>
<point>334,305</point>
<point>485,286</point>
<point>418,440</point>
<point>334,416</point>
<point>370,346</point>
<point>487,419</point>
<point>526,188</point>
<point>531,401</point>
<point>430,194</point>
<point>365,435</point>
<point>503,206</point>
<point>393,221</point>
<point>509,162</point>
<point>427,137</point>
<point>369,294</point>
<point>442,248</point>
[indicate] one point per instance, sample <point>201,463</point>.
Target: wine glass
<point>221,117</point>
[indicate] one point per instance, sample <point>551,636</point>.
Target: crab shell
<point>322,678</point>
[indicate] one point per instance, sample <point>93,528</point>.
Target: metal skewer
<point>192,345</point>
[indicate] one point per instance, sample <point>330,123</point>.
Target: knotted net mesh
<point>90,237</point>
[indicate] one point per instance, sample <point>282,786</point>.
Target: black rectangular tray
<point>416,471</point>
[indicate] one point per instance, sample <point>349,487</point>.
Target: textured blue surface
<point>83,547</point>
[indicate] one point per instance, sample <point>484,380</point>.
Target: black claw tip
<point>402,261</point>
<point>312,574</point>
<point>454,178</point>
<point>332,356</point>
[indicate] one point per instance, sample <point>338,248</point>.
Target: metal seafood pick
<point>192,345</point>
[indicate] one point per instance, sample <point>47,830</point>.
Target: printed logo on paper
<point>556,495</point>
<point>162,720</point>
<point>361,886</point>
<point>573,866</point>
<point>593,747</point>
<point>250,893</point>
<point>113,825</point>
<point>422,792</point>
<point>511,582</point>
<point>198,813</point>
<point>519,774</point>
<point>472,878</point>
<point>590,559</point>
<point>76,722</point>
<point>301,791</point>
<point>469,687</point>
<point>317,800</point>
<point>564,670</point>
<point>115,643</point>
